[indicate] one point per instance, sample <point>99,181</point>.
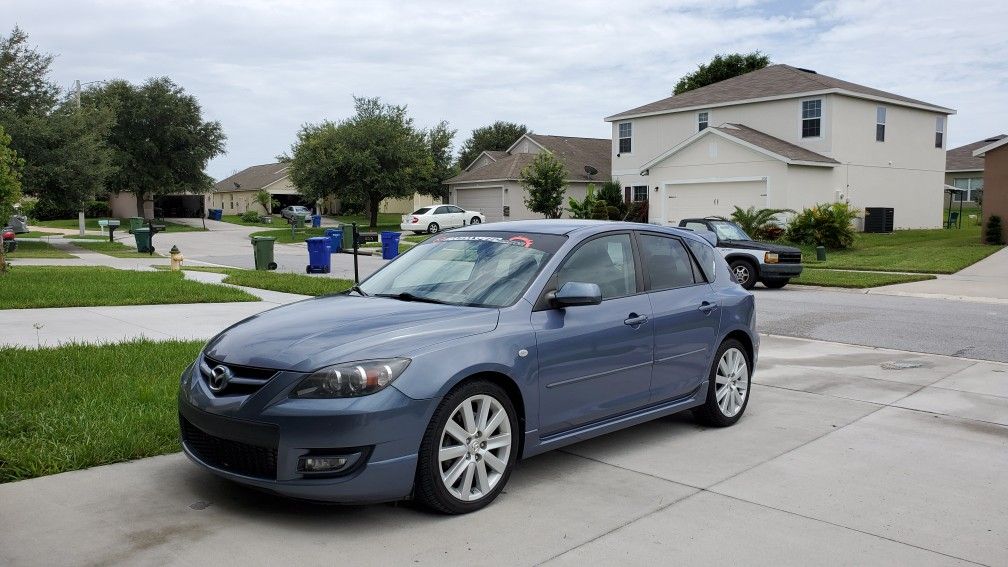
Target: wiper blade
<point>358,289</point>
<point>406,296</point>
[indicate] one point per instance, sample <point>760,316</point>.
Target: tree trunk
<point>373,204</point>
<point>140,203</point>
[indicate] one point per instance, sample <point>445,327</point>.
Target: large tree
<point>439,143</point>
<point>10,177</point>
<point>374,155</point>
<point>720,68</point>
<point>25,87</point>
<point>161,143</point>
<point>545,180</point>
<point>498,136</point>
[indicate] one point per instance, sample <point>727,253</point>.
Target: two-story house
<point>783,137</point>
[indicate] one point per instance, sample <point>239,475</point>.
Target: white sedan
<point>435,218</point>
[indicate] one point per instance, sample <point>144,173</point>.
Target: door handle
<point>634,320</point>
<point>707,307</point>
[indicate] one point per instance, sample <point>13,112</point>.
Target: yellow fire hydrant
<point>176,259</point>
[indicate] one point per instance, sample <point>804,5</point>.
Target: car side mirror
<point>572,294</point>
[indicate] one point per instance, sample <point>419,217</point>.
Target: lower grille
<point>232,456</point>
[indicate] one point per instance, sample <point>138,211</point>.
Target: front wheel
<point>728,390</point>
<point>744,272</point>
<point>469,449</point>
<point>776,283</point>
<point>433,228</point>
<point>475,220</point>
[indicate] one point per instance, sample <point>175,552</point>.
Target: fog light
<point>326,464</point>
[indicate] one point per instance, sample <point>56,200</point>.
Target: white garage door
<point>488,200</point>
<point>691,200</point>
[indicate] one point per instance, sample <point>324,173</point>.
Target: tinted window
<point>421,211</point>
<point>455,210</point>
<point>707,258</point>
<point>668,263</point>
<point>606,261</point>
<point>441,210</point>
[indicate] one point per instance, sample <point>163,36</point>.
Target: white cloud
<point>264,68</point>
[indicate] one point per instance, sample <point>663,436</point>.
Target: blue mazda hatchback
<point>475,349</point>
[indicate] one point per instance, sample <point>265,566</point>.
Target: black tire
<point>433,228</point>
<point>429,489</point>
<point>776,283</point>
<point>475,220</point>
<point>744,272</point>
<point>418,232</point>
<point>710,412</point>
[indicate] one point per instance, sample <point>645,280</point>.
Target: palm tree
<point>753,220</point>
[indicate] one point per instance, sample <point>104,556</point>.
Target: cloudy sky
<point>265,68</point>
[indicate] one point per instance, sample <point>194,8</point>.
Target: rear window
<point>421,211</point>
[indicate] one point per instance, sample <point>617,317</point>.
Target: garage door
<point>691,200</point>
<point>488,200</point>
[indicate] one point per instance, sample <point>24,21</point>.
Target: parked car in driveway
<point>9,241</point>
<point>435,218</point>
<point>750,260</point>
<point>291,211</point>
<point>474,349</point>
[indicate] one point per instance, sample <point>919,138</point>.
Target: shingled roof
<point>576,153</point>
<point>771,81</point>
<point>961,158</point>
<point>252,178</point>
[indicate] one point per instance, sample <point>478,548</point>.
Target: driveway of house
<point>847,455</point>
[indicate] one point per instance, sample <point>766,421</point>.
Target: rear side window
<point>668,263</point>
<point>696,226</point>
<point>706,256</point>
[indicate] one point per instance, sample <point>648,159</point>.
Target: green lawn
<point>72,286</point>
<point>117,249</point>
<point>283,235</point>
<point>386,221</point>
<point>92,224</point>
<point>34,249</point>
<point>934,251</point>
<point>281,281</point>
<point>837,278</point>
<point>79,406</point>
<point>236,219</point>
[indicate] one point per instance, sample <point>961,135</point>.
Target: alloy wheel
<point>475,220</point>
<point>742,274</point>
<point>474,448</point>
<point>731,383</point>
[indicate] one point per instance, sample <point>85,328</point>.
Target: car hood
<point>755,245</point>
<point>314,333</point>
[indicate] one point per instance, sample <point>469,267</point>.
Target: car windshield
<point>729,231</point>
<point>421,211</point>
<point>479,269</point>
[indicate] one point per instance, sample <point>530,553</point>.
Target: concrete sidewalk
<point>846,455</point>
<point>985,282</point>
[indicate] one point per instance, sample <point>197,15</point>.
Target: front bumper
<point>780,270</point>
<point>258,439</point>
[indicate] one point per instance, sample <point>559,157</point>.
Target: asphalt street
<point>950,327</point>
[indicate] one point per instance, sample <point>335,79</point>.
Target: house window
<point>971,185</point>
<point>702,121</point>
<point>640,193</point>
<point>880,124</point>
<point>811,113</point>
<point>940,132</point>
<point>625,133</point>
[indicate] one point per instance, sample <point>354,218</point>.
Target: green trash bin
<point>299,221</point>
<point>262,248</point>
<point>135,223</point>
<point>143,240</point>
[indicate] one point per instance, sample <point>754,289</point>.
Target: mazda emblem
<point>220,376</point>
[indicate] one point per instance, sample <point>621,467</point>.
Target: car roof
<point>575,226</point>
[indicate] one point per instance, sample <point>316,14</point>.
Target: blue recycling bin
<point>318,255</point>
<point>215,214</point>
<point>389,245</point>
<point>316,221</point>
<point>335,236</point>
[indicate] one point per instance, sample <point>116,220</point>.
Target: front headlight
<point>350,379</point>
<point>771,258</point>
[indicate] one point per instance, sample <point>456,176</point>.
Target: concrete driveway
<point>847,455</point>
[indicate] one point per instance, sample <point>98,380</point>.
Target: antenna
<point>590,171</point>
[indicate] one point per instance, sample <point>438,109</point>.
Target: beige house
<point>490,183</point>
<point>965,171</point>
<point>783,137</point>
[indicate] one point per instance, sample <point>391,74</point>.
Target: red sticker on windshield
<point>523,239</point>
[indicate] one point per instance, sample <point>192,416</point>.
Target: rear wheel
<point>469,449</point>
<point>744,272</point>
<point>728,392</point>
<point>475,220</point>
<point>776,283</point>
<point>433,228</point>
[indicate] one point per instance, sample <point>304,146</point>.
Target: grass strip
<point>78,406</point>
<point>280,281</point>
<point>116,249</point>
<point>33,249</point>
<point>838,278</point>
<point>28,287</point>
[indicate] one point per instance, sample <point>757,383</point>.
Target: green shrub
<point>769,233</point>
<point>97,209</point>
<point>760,224</point>
<point>827,224</point>
<point>49,209</point>
<point>250,216</point>
<point>993,234</point>
<point>637,211</point>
